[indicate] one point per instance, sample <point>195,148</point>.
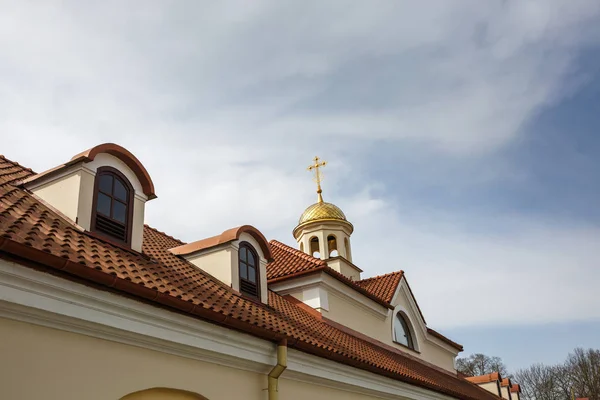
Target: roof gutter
<point>277,370</point>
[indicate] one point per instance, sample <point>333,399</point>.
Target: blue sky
<point>462,137</point>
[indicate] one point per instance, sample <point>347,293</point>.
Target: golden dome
<point>321,211</point>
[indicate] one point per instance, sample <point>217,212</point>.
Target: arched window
<point>249,270</point>
<point>402,333</point>
<point>315,251</point>
<point>332,246</point>
<point>113,205</point>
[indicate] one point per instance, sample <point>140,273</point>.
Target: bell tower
<point>323,230</point>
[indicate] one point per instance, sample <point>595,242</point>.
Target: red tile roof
<point>505,382</point>
<point>36,236</point>
<point>382,286</point>
<point>515,388</point>
<point>290,263</point>
<point>494,376</point>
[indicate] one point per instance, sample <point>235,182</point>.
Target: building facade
<point>94,304</point>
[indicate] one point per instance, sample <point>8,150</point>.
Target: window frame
<point>407,328</point>
<point>116,174</point>
<point>252,250</point>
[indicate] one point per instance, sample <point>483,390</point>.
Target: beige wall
<point>348,312</point>
<point>62,194</point>
<point>506,392</point>
<point>49,364</point>
<point>217,262</point>
<point>345,306</point>
<point>490,387</point>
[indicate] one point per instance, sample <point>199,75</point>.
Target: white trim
<point>406,316</point>
<point>35,297</point>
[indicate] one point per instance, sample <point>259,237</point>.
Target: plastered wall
<point>347,312</point>
<point>50,364</point>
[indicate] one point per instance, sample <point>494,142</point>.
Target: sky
<point>462,137</point>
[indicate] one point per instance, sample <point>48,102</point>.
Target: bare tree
<point>480,364</point>
<point>578,376</point>
<point>584,370</point>
<point>539,382</point>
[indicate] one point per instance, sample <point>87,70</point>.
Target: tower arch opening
<point>332,246</point>
<point>315,249</point>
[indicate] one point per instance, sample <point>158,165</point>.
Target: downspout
<point>277,370</point>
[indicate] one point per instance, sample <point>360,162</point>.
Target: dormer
<point>490,382</point>
<point>505,386</point>
<point>103,190</point>
<point>515,391</point>
<point>238,257</point>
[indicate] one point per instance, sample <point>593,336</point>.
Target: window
<point>402,332</point>
<point>113,205</point>
<point>249,270</point>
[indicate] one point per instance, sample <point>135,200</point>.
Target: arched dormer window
<point>402,333</point>
<point>249,270</point>
<point>112,211</point>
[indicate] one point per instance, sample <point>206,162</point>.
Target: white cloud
<point>225,103</point>
<point>533,272</point>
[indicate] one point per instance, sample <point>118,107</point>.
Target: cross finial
<point>318,164</point>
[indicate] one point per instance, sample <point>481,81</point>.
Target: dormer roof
<point>226,237</point>
<point>492,377</point>
<point>90,154</point>
<point>505,382</point>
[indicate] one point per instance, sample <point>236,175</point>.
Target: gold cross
<point>318,177</point>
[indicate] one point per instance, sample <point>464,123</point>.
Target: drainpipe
<point>277,370</point>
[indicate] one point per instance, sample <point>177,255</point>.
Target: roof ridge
<point>297,252</point>
<point>164,234</point>
<point>400,272</point>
